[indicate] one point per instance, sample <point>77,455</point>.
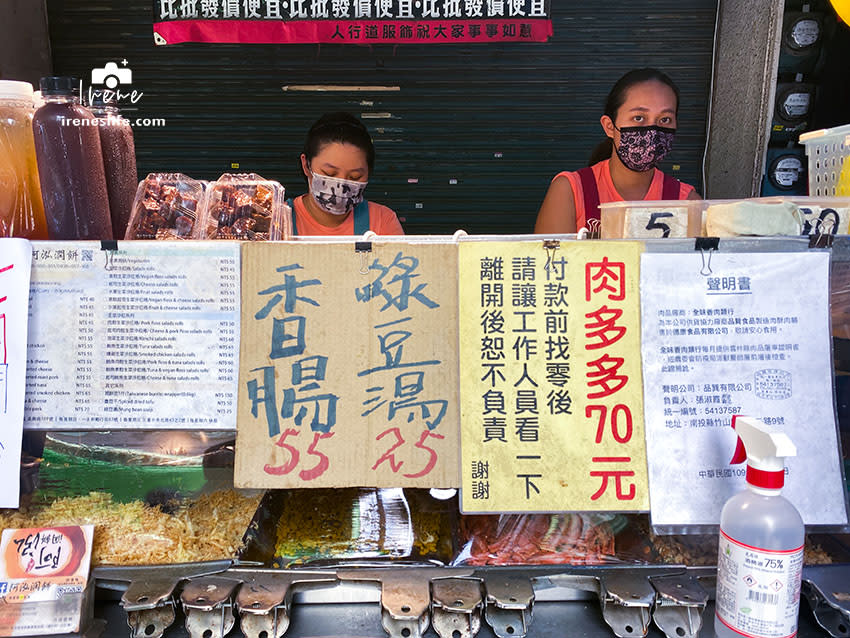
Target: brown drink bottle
<point>70,164</point>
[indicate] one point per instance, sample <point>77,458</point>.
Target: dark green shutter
<point>470,140</point>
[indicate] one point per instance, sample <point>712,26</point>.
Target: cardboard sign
<point>348,368</point>
<point>43,578</point>
<point>551,400</point>
<point>751,337</point>
<point>14,302</point>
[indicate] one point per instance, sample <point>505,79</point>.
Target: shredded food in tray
<point>210,528</point>
<point>701,550</point>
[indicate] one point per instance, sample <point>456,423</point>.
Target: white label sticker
<point>654,223</point>
<point>758,590</point>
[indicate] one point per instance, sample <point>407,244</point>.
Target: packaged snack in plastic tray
<point>243,206</point>
<point>320,526</point>
<point>165,207</point>
<point>572,538</point>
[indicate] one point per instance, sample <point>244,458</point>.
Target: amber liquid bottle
<point>21,210</point>
<point>70,164</point>
<point>119,162</point>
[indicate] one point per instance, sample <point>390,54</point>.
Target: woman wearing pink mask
<point>337,160</point>
<point>640,122</point>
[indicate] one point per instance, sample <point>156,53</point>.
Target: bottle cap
<point>14,90</point>
<point>59,85</point>
<point>764,450</point>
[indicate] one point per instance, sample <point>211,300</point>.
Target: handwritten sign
<point>348,368</point>
<point>656,222</point>
<point>752,337</point>
<point>551,400</point>
<point>14,295</point>
<point>43,578</point>
<point>146,336</point>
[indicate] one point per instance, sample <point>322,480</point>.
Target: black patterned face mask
<point>336,195</point>
<point>642,147</point>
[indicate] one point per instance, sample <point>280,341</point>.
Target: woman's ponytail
<point>601,151</point>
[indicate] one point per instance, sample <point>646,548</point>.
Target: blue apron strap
<point>361,218</point>
<point>291,205</point>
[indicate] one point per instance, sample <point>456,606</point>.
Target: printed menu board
<point>146,336</point>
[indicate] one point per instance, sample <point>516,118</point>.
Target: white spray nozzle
<point>761,447</point>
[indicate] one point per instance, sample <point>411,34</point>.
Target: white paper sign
<point>750,338</point>
<point>656,223</point>
<point>14,290</point>
<point>143,337</point>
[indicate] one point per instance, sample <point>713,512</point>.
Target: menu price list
<point>142,337</point>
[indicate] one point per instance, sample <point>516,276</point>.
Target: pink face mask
<point>642,147</point>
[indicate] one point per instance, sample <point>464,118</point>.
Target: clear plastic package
<point>243,206</point>
<point>320,526</point>
<point>651,219</point>
<point>166,207</point>
<point>570,538</point>
<point>154,497</point>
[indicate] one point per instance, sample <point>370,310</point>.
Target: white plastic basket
<point>827,150</point>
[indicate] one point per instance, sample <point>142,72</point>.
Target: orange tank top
<point>587,206</point>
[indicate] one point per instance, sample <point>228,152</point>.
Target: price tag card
<point>656,222</point>
<point>14,292</point>
<point>348,366</point>
<point>551,401</point>
<point>43,577</point>
<point>752,338</point>
<point>146,336</point>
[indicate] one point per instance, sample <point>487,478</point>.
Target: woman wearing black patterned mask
<point>337,160</point>
<point>639,122</point>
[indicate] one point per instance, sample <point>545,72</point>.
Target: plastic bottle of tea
<point>119,161</point>
<point>21,210</point>
<point>70,164</point>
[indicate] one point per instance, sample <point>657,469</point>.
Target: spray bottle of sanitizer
<point>760,560</point>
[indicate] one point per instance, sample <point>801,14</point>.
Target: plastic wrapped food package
<point>243,206</point>
<point>574,538</point>
<point>210,527</point>
<point>309,526</point>
<point>154,497</point>
<point>166,207</point>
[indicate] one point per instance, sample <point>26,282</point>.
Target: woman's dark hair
<point>340,127</point>
<point>617,97</point>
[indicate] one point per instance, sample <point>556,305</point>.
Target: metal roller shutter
<point>467,136</point>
